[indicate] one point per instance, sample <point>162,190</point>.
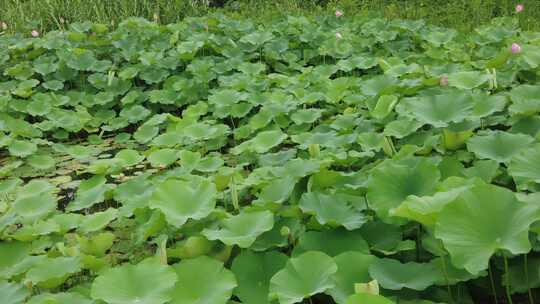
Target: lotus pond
<point>219,161</point>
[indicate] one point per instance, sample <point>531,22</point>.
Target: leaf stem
<point>445,272</point>
<point>492,284</point>
<point>525,264</point>
<point>507,279</point>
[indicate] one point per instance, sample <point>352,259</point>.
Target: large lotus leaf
<point>365,298</point>
<point>385,105</point>
<point>52,272</point>
<point>242,229</point>
<point>12,293</point>
<point>525,167</point>
<point>59,298</point>
<point>41,161</point>
<point>253,272</point>
<point>98,220</point>
<point>163,157</point>
<point>468,80</point>
<point>183,200</point>
<point>438,110</point>
<point>90,192</point>
<point>331,210</point>
<point>306,116</point>
<point>353,267</point>
<point>392,274</point>
<point>393,181</point>
<point>262,142</point>
<point>12,253</point>
<point>147,283</point>
<point>133,194</point>
<point>482,220</point>
<point>22,148</point>
<point>202,280</point>
<point>129,157</point>
<point>425,209</point>
<point>34,201</point>
<point>498,145</point>
<point>525,99</point>
<point>303,276</point>
<point>332,242</point>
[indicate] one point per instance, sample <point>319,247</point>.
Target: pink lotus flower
<point>339,13</point>
<point>35,33</point>
<point>519,8</point>
<point>515,48</point>
<point>443,82</point>
<point>4,26</point>
<point>338,35</point>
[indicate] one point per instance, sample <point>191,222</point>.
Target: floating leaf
<point>391,274</point>
<point>331,210</point>
<point>499,146</point>
<point>353,267</point>
<point>52,272</point>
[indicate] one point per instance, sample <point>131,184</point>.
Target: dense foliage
<point>216,161</point>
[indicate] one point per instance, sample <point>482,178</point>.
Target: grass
<point>25,15</point>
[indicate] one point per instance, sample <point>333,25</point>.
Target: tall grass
<point>24,15</point>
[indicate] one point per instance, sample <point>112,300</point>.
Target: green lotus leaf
<point>53,272</point>
<point>331,210</point>
<point>438,110</point>
<point>163,157</point>
<point>11,254</point>
<point>262,142</point>
<point>253,272</point>
<point>306,116</point>
<point>393,181</point>
<point>308,274</point>
<point>97,220</point>
<point>41,161</point>
<point>353,267</point>
<point>401,128</point>
<point>210,164</point>
<point>98,244</point>
<point>133,194</point>
<point>22,148</point>
<point>380,84</point>
<point>242,229</point>
<point>482,220</point>
<point>135,113</point>
<point>34,201</point>
<point>278,190</point>
<point>183,200</point>
<point>189,160</point>
<point>90,192</point>
<point>257,38</point>
<point>425,209</point>
<point>525,99</point>
<point>392,274</point>
<point>129,157</point>
<point>362,298</point>
<point>202,280</point>
<point>53,85</point>
<point>147,282</point>
<point>521,278</point>
<point>39,107</point>
<point>12,293</point>
<point>59,298</point>
<point>468,80</point>
<point>145,133</point>
<point>385,105</point>
<point>332,242</point>
<point>524,167</point>
<point>499,146</point>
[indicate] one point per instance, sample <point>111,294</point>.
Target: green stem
<point>446,279</point>
<point>531,299</point>
<point>492,284</point>
<point>507,279</point>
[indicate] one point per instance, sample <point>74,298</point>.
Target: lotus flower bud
<point>515,48</point>
<point>443,82</point>
<point>519,8</point>
<point>4,26</point>
<point>338,35</point>
<point>339,13</point>
<point>35,33</point>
